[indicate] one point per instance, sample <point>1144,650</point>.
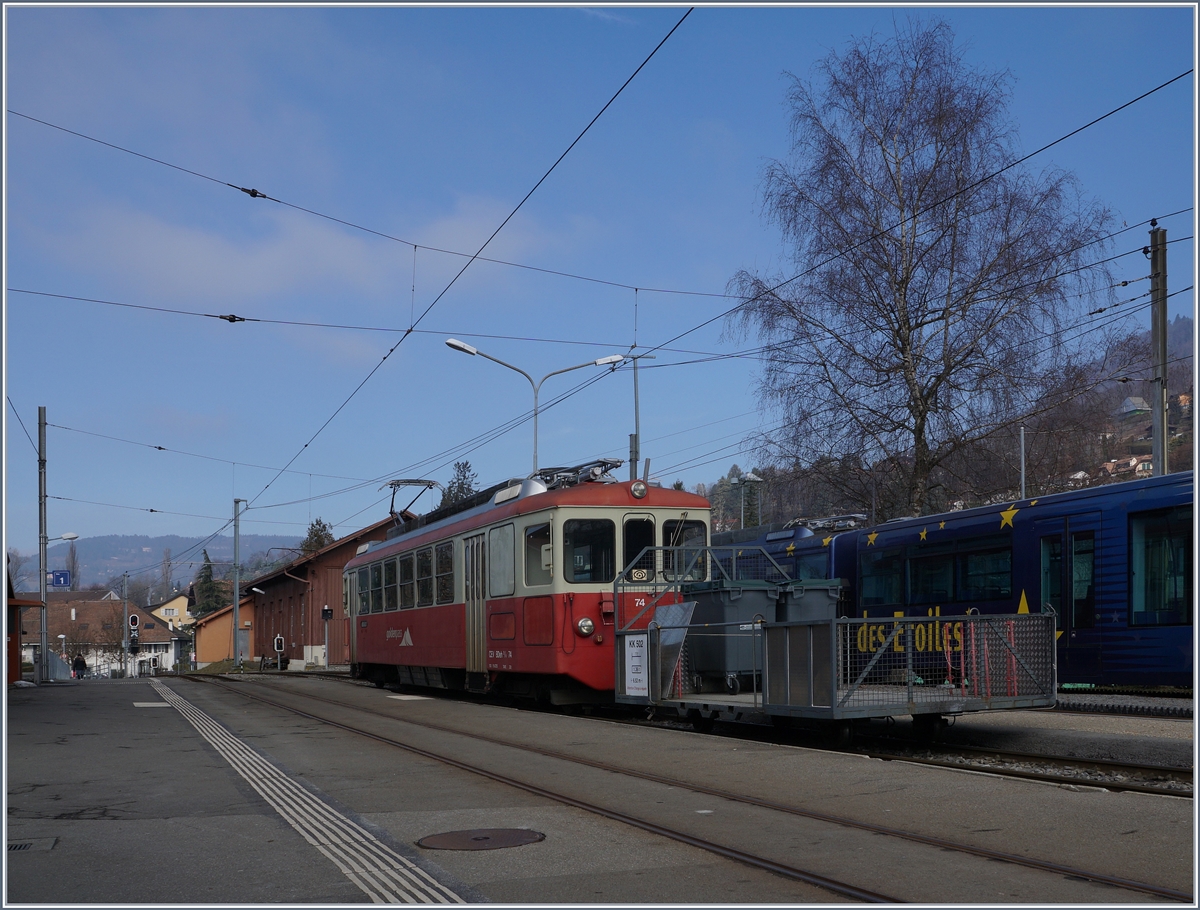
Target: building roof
<point>204,620</point>
<point>94,614</point>
<point>306,558</point>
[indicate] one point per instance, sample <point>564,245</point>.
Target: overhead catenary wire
<point>22,423</point>
<point>997,172</point>
<point>478,252</point>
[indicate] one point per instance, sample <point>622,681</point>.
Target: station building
<point>291,600</point>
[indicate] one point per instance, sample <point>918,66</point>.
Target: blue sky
<point>430,124</point>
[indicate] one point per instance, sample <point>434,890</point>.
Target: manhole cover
<point>481,839</point>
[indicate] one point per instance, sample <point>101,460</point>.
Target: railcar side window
<point>882,575</point>
<point>377,588</point>
<point>425,577</point>
<point>445,572</point>
<point>389,586</point>
<point>536,537</point>
<point>1160,567</point>
<point>591,550</point>
<point>364,590</point>
<point>502,570</point>
<point>407,583</point>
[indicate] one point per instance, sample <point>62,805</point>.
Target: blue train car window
<point>445,572</point>
<point>812,566</point>
<point>1083,588</point>
<point>389,586</point>
<point>881,578</point>
<point>1160,567</point>
<point>425,577</point>
<point>591,550</point>
<point>985,569</point>
<point>931,575</point>
<point>407,583</point>
<point>1052,573</point>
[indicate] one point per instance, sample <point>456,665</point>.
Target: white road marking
<point>381,873</point>
<point>151,704</point>
<point>410,697</point>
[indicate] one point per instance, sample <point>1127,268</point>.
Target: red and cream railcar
<point>513,592</point>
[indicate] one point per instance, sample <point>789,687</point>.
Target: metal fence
<point>725,627</point>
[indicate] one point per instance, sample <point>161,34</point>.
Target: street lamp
<point>748,477</point>
<point>465,348</point>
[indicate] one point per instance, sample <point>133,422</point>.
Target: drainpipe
<point>303,604</point>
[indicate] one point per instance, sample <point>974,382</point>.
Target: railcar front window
<point>812,566</point>
<point>591,550</point>
<point>692,537</point>
<point>407,583</point>
<point>1160,567</point>
<point>537,537</point>
<point>425,578</point>
<point>445,572</point>
<point>639,534</point>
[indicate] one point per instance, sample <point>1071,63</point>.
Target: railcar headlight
<point>586,627</point>
<point>638,489</point>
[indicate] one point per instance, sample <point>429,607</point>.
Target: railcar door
<point>1068,579</point>
<point>474,573</point>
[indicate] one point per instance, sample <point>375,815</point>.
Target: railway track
<point>1117,776</point>
<point>1067,770</point>
<point>841,888</point>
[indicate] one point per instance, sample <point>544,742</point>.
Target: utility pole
<point>1158,346</point>
<point>125,623</point>
<point>237,624</point>
<point>635,438</point>
<point>1022,462</point>
<point>43,669</point>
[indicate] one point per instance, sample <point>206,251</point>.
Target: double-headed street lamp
<point>468,349</point>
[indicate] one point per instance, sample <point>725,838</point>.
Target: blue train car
<point>1113,562</point>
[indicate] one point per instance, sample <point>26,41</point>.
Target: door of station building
<point>474,575</point>
<point>1067,582</point>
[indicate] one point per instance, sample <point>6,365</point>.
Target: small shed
<point>214,634</point>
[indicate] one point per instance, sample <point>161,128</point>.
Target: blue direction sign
<point>60,579</point>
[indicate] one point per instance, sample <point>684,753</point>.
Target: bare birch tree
<point>934,278</point>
